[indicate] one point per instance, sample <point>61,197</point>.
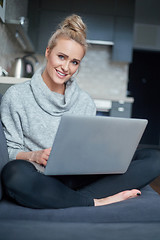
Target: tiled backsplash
<point>101,77</point>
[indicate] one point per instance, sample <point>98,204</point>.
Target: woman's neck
<point>58,88</point>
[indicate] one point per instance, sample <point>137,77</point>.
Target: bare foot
<point>117,197</point>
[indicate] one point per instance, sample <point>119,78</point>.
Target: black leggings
<point>28,187</point>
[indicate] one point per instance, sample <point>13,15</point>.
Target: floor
<point>156,184</point>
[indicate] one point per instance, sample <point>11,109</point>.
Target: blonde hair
<point>71,28</point>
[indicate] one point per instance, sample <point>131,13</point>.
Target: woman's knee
<point>14,173</point>
<point>148,153</point>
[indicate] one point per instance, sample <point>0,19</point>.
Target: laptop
<point>94,145</point>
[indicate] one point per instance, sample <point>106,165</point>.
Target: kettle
<point>22,67</point>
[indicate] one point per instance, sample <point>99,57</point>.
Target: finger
<point>47,151</point>
<point>44,162</point>
<point>45,157</point>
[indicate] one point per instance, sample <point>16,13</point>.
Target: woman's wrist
<point>40,156</point>
<point>25,156</point>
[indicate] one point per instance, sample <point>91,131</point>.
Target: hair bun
<point>74,23</point>
<point>73,28</point>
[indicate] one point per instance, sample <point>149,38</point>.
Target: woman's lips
<point>61,74</point>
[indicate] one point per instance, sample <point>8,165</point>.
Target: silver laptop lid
<point>94,145</point>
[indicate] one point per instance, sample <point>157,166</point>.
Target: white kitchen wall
<point>100,76</point>
<point>9,48</point>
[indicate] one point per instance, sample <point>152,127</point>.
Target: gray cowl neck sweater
<point>31,112</point>
<point>51,102</point>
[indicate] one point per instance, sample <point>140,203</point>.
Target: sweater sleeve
<point>10,117</point>
<point>88,104</point>
<point>91,108</point>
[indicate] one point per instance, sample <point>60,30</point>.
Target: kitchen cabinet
<point>103,7</point>
<point>123,39</point>
<point>15,10</point>
<point>147,25</point>
<point>100,27</point>
<point>147,12</point>
<point>20,34</point>
<point>121,109</point>
<point>125,8</point>
<point>114,108</point>
<point>17,24</point>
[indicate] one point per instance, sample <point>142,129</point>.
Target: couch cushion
<point>144,208</point>
<point>3,155</point>
<point>34,230</point>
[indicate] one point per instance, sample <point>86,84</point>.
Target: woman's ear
<point>47,52</point>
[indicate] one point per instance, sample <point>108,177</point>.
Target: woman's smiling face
<point>62,62</point>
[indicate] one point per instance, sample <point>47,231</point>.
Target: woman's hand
<point>39,157</point>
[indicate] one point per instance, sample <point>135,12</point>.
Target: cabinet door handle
<point>121,109</point>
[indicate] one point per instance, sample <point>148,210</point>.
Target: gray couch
<point>133,219</point>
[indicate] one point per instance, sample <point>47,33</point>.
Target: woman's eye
<point>75,62</point>
<point>61,57</point>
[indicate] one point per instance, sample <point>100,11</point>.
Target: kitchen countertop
<point>13,80</point>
